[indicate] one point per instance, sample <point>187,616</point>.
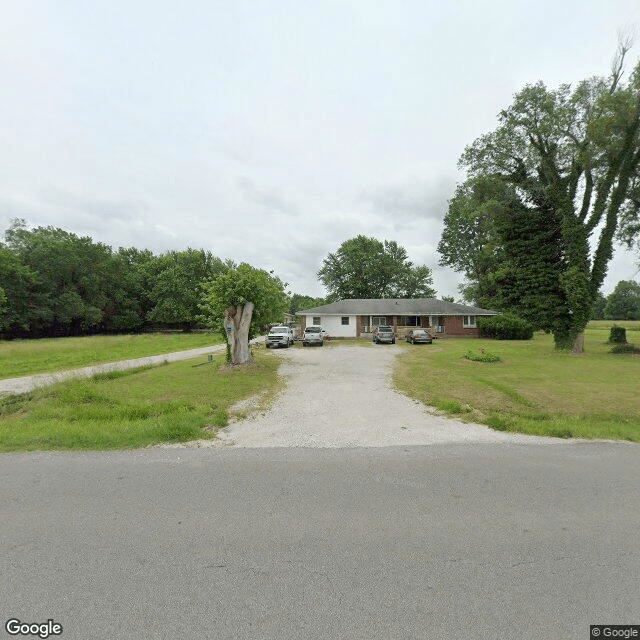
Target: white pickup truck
<point>314,334</point>
<point>280,336</point>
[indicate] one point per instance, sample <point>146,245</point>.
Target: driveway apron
<point>342,396</point>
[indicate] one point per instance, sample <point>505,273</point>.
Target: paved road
<point>469,540</point>
<point>25,384</point>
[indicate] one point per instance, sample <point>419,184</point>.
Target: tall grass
<point>175,402</point>
<point>25,357</point>
<point>533,388</point>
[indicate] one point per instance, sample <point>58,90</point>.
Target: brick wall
<point>454,326</point>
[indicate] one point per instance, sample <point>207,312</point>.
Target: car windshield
<point>313,329</point>
<point>419,333</point>
<point>384,329</point>
<point>279,330</point>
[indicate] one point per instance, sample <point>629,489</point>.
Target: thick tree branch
<point>603,189</point>
<point>586,197</point>
<point>628,165</point>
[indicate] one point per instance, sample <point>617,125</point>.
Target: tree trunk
<point>237,321</point>
<point>566,340</point>
<point>578,344</point>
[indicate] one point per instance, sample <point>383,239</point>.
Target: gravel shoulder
<point>341,396</point>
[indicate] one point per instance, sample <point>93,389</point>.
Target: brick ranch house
<point>356,318</point>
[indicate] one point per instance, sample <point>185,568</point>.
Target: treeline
<point>623,303</point>
<point>54,283</point>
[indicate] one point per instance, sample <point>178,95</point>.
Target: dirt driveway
<point>341,396</point>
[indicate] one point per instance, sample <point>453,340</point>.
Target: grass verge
<point>174,402</point>
<point>25,357</point>
<point>533,389</point>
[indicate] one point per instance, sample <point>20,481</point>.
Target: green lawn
<point>175,402</point>
<point>24,357</point>
<point>533,389</point>
<point>599,329</point>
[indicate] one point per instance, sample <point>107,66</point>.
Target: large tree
<point>26,306</point>
<point>131,274</point>
<point>299,301</point>
<point>70,288</point>
<point>240,303</point>
<point>571,158</point>
<point>365,267</point>
<point>176,288</point>
<point>624,301</point>
<point>470,243</point>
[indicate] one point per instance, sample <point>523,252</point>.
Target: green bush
<point>625,348</point>
<point>483,356</point>
<point>618,335</point>
<point>504,327</point>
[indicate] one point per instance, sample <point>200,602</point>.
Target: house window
<point>469,321</point>
<point>345,320</point>
<point>410,321</point>
<point>317,320</point>
<point>376,321</point>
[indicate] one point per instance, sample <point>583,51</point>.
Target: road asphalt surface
<point>467,538</point>
<point>498,541</point>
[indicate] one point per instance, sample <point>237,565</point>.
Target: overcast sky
<point>271,131</point>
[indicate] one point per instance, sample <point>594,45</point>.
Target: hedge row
<point>504,327</point>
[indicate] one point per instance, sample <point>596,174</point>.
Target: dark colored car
<point>384,333</point>
<point>419,336</point>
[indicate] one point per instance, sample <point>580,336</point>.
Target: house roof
<point>396,306</point>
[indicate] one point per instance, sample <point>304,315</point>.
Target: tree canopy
<point>299,301</point>
<point>56,283</point>
<point>600,302</point>
<point>240,303</point>
<point>175,291</point>
<point>561,167</point>
<point>365,267</point>
<point>60,281</point>
<point>3,306</point>
<point>624,302</point>
<point>470,243</point>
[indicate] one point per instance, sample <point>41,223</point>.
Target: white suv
<point>280,336</point>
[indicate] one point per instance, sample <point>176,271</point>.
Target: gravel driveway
<point>341,396</point>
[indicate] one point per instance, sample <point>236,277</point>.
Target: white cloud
<point>270,133</point>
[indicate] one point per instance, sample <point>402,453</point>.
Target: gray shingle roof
<point>396,306</point>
